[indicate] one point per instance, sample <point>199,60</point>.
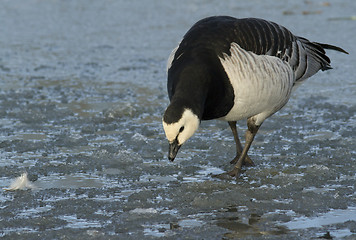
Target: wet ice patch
<point>74,181</point>
<point>157,230</point>
<point>332,217</point>
<point>74,222</point>
<point>335,216</point>
<point>21,183</point>
<point>163,230</point>
<point>204,174</point>
<point>33,212</point>
<point>210,170</point>
<point>190,223</point>
<point>326,188</point>
<point>144,211</point>
<point>139,137</point>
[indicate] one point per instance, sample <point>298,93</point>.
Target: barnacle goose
<point>231,69</point>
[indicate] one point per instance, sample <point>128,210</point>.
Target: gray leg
<point>247,161</point>
<point>250,135</point>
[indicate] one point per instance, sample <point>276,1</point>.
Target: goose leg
<point>247,161</point>
<point>250,135</point>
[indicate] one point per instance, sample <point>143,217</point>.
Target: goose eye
<point>181,129</point>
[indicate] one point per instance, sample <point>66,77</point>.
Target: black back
<point>252,34</point>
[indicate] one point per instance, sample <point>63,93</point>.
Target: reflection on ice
<point>334,216</point>
<point>331,217</point>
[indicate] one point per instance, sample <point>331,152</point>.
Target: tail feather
<point>311,58</point>
<point>332,47</point>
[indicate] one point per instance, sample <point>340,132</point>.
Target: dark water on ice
<point>83,88</point>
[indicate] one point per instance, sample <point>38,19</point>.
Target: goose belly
<point>262,84</point>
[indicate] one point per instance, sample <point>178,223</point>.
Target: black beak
<point>173,150</point>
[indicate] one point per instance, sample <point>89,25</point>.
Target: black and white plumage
<point>231,69</point>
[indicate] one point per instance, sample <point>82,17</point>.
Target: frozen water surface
<point>83,89</point>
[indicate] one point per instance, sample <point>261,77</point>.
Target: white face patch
<point>183,129</point>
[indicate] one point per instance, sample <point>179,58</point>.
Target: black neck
<point>199,82</point>
<point>192,87</point>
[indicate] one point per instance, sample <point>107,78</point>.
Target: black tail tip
<point>332,47</point>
